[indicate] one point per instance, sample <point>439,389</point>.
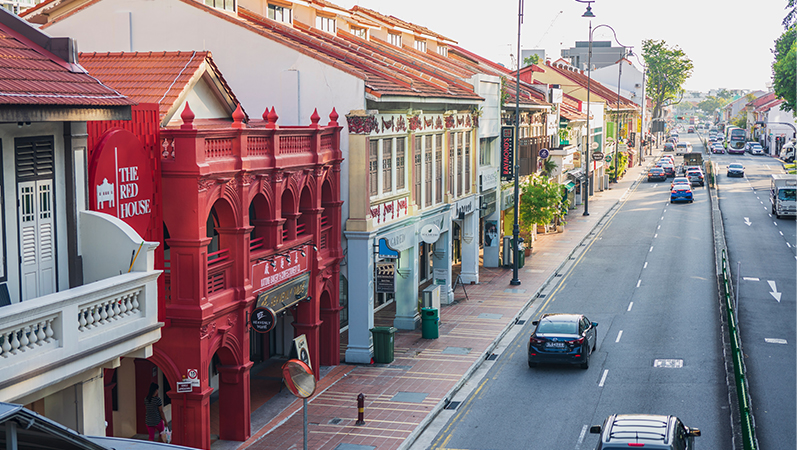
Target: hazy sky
<point>729,42</point>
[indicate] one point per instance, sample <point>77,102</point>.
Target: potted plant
<point>539,203</point>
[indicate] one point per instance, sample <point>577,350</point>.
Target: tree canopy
<point>667,69</point>
<point>784,69</point>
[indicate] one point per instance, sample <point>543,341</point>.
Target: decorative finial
<point>188,117</point>
<point>238,118</point>
<point>334,118</point>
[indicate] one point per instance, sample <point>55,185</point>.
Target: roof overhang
<point>39,113</point>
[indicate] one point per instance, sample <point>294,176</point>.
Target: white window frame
<point>279,13</point>
<point>421,45</point>
<point>327,24</point>
<point>422,201</point>
<point>396,152</point>
<point>360,32</point>
<point>395,39</point>
<point>441,49</point>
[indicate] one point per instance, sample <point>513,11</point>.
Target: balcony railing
<point>54,337</point>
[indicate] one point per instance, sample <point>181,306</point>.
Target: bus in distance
<point>735,137</point>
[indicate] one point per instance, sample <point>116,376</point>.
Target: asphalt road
<point>763,253</point>
<point>648,278</point>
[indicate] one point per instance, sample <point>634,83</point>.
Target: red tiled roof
<point>597,88</point>
<point>764,99</point>
<point>150,77</point>
<point>394,21</point>
<point>31,75</point>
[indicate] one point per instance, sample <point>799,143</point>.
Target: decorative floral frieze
<point>388,211</point>
<point>362,124</point>
<point>414,123</point>
<point>449,122</point>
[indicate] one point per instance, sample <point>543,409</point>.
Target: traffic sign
<point>597,156</point>
<point>184,387</point>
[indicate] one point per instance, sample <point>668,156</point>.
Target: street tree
<point>667,69</point>
<point>784,69</point>
<point>712,103</point>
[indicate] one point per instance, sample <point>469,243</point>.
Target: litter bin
<point>383,341</point>
<point>430,323</point>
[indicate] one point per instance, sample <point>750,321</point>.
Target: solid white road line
<point>603,379</point>
<point>619,335</point>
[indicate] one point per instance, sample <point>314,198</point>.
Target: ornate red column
<point>191,418</point>
<point>234,413</point>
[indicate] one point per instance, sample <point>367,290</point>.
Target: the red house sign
<point>121,179</point>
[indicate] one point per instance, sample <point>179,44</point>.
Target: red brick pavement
<point>431,369</point>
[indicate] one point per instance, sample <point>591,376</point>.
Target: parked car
<point>644,431</point>
<point>735,170</point>
<point>681,193</point>
<point>656,174</point>
<point>695,176</point>
<point>680,180</point>
<point>562,338</point>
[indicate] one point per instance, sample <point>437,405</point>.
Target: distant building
<point>603,54</point>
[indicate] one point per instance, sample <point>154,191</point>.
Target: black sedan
<point>562,338</point>
<point>656,174</point>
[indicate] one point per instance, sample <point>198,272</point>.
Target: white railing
<point>62,334</point>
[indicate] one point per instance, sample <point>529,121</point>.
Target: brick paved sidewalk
<point>402,397</point>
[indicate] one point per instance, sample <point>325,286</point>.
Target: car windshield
<point>736,166</point>
<point>551,327</point>
<point>787,194</point>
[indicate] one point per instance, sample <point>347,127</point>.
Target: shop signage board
<point>384,277</point>
<point>301,348</point>
<point>184,387</point>
<point>385,251</point>
<point>430,233</point>
<point>264,276</point>
<point>121,179</point>
<point>598,156</point>
<point>285,295</point>
<point>440,277</point>
<point>263,320</point>
<point>507,144</point>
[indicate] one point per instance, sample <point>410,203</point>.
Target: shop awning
<point>569,186</point>
<point>577,175</point>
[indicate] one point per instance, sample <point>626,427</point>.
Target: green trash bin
<point>430,323</point>
<point>383,341</point>
<point>521,260</point>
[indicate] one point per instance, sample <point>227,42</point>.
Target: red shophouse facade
<point>270,194</point>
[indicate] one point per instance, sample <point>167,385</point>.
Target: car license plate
<point>555,345</point>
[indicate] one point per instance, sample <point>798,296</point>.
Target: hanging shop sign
<point>279,268</point>
<point>121,181</point>
<point>384,277</point>
<point>285,295</point>
<point>385,251</point>
<point>507,144</point>
<point>430,233</point>
<point>488,178</point>
<point>263,320</point>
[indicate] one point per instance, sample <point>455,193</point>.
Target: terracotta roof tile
<point>598,89</point>
<point>394,21</point>
<point>151,77</point>
<point>31,75</point>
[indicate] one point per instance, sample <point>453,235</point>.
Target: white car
<point>756,149</point>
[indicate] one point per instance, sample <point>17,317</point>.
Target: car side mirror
<point>595,429</point>
<point>534,322</point>
<point>594,324</point>
<point>694,432</point>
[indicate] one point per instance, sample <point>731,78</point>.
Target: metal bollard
<point>360,420</point>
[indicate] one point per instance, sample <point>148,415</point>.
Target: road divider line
<point>603,378</point>
<point>638,283</point>
<point>582,436</point>
<point>776,223</point>
<point>645,265</point>
<point>630,306</point>
<point>651,248</point>
<point>781,232</point>
<point>619,336</point>
<point>655,236</point>
<point>789,245</point>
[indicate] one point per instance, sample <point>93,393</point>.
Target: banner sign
<point>384,277</point>
<point>285,295</point>
<point>121,179</point>
<point>265,276</point>
<point>507,144</point>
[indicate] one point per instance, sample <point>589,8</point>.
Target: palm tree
<point>548,167</point>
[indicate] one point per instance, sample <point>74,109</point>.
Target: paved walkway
<point>404,396</point>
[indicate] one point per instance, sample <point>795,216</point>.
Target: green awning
<point>569,186</point>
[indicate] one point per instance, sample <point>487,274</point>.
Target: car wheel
<point>691,201</point>
<point>585,364</point>
<point>531,364</point>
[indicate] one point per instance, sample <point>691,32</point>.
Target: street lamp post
<point>515,243</point>
<point>588,14</point>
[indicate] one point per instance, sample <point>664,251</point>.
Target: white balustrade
<point>108,310</point>
<point>27,336</point>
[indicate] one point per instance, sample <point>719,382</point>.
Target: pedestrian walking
<point>154,413</point>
